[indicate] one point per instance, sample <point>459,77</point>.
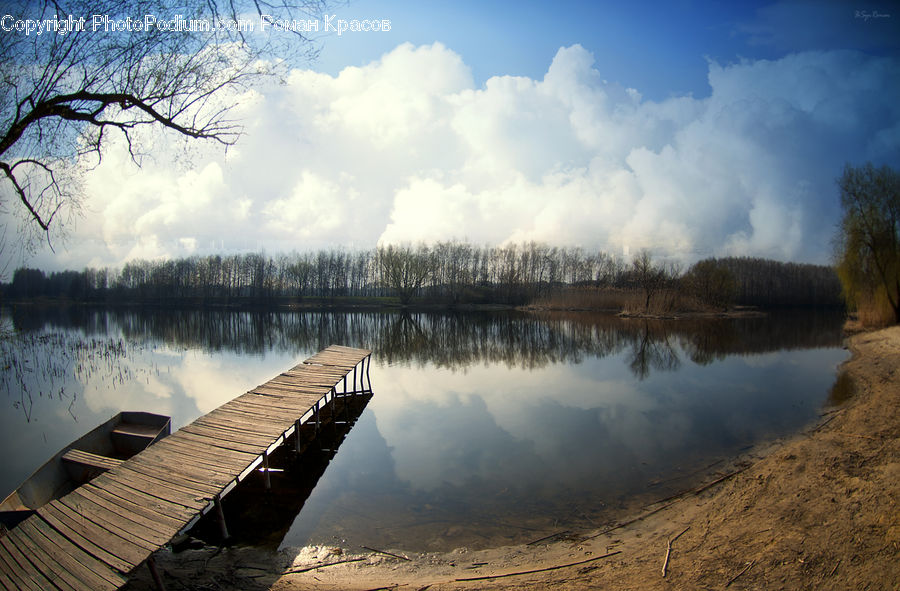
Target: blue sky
<point>659,48</point>
<point>690,129</point>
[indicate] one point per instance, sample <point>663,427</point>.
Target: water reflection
<point>486,427</point>
<point>454,340</point>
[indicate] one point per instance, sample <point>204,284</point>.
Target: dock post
<point>318,423</point>
<point>368,365</point>
<point>154,573</point>
<point>354,380</point>
<point>266,468</point>
<point>223,527</point>
<point>297,446</point>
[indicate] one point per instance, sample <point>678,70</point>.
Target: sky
<point>691,129</point>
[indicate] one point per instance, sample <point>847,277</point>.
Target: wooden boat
<point>103,448</point>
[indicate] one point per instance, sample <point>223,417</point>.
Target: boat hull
<point>121,437</point>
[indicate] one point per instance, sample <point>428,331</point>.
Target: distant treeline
<point>444,274</point>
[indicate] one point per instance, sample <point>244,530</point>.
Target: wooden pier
<point>93,538</point>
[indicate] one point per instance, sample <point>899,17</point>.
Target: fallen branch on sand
<point>702,488</point>
<point>386,553</point>
<point>735,577</point>
<point>539,570</point>
<point>671,501</point>
<point>669,550</point>
<point>309,568</point>
<point>630,521</point>
<point>553,535</point>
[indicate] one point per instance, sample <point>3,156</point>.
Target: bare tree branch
<point>62,94</point>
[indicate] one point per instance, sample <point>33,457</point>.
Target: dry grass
<point>586,298</point>
<point>874,311</point>
<point>628,301</point>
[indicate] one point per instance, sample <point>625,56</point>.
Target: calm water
<point>484,429</point>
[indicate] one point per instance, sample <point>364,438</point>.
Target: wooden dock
<point>95,537</point>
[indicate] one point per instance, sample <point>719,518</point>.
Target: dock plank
<point>189,470</point>
<point>163,489</point>
<point>225,460</point>
<point>161,506</point>
<point>202,439</point>
<point>33,565</point>
<point>110,541</point>
<point>17,573</point>
<point>82,559</point>
<point>73,571</point>
<point>123,526</point>
<point>174,478</point>
<point>85,544</point>
<point>232,435</point>
<point>126,508</point>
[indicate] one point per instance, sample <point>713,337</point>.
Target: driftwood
<point>735,577</point>
<point>386,553</point>
<point>630,521</point>
<point>309,568</point>
<point>669,550</point>
<point>539,570</point>
<point>553,535</point>
<point>702,488</point>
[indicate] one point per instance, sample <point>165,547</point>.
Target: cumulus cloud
<point>406,148</point>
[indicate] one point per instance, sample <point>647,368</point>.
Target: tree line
<point>447,274</point>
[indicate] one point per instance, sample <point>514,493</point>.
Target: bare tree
<point>650,277</point>
<point>404,269</point>
<point>75,71</point>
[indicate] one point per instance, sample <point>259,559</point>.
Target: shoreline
<point>816,510</point>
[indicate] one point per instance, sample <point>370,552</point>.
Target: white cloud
<point>406,149</point>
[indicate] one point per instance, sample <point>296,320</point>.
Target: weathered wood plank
<point>6,583</point>
<point>72,571</point>
<point>185,467</point>
<point>227,460</point>
<point>242,411</point>
<point>126,491</point>
<point>110,541</point>
<point>252,399</point>
<point>237,433</point>
<point>257,412</point>
<point>17,573</point>
<point>176,475</point>
<point>137,481</point>
<point>126,508</point>
<point>96,567</point>
<point>82,542</point>
<point>123,526</point>
<point>205,439</point>
<point>43,565</point>
<point>164,489</point>
<point>249,424</point>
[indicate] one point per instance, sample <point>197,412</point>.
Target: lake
<point>485,428</point>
